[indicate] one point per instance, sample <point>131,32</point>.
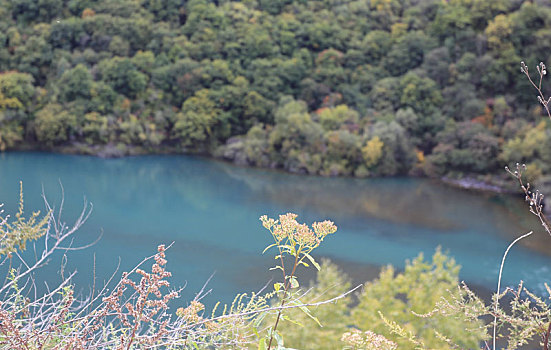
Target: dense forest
<point>331,87</point>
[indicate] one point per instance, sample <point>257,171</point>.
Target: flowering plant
<point>296,241</point>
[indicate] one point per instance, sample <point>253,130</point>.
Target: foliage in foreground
<point>133,313</point>
<point>423,307</point>
<point>129,314</point>
<point>301,332</point>
<point>389,307</point>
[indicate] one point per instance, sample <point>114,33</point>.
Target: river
<point>210,211</point>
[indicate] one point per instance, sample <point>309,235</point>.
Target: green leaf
<point>262,344</point>
<point>288,319</point>
<point>294,282</point>
<point>316,265</point>
<point>268,247</point>
<point>307,312</point>
<point>258,321</point>
<point>279,340</point>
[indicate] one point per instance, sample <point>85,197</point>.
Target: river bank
<point>471,183</point>
<point>497,183</point>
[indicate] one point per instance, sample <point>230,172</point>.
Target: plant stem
<point>499,282</point>
<point>546,338</point>
<point>286,288</point>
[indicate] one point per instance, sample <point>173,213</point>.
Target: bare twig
<point>60,234</point>
<point>535,199</point>
<point>499,283</point>
<point>542,70</point>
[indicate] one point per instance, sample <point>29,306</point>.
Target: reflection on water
<point>423,203</point>
<point>211,209</point>
<point>402,201</point>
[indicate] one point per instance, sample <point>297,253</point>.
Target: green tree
<point>16,90</point>
<point>465,147</point>
<point>342,154</point>
<point>35,57</point>
<point>165,10</point>
<point>437,65</point>
<point>398,297</point>
<point>384,95</point>
<point>66,33</point>
<point>483,11</point>
<point>123,76</point>
<point>144,61</point>
<point>452,18</point>
<point>337,117</point>
<point>118,46</point>
<point>180,80</point>
<point>498,33</point>
<point>256,108</point>
<point>75,84</point>
<point>103,98</point>
<point>407,53</point>
<point>421,94</point>
<point>398,153</point>
<point>95,128</point>
<point>376,45</point>
<point>54,125</point>
<point>296,139</point>
<point>329,68</point>
<point>194,124</point>
<point>11,133</point>
<point>36,10</point>
<point>529,146</point>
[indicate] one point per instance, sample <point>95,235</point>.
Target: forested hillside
<point>331,87</point>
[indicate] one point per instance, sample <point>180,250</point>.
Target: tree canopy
<point>360,88</point>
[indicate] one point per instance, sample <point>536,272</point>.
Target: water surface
<point>210,211</point>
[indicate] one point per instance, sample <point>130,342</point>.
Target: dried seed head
<point>523,68</point>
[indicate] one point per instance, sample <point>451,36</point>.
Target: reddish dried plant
<point>146,305</point>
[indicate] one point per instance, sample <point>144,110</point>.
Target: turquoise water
<point>210,211</point>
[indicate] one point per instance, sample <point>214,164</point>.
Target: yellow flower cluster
<point>191,313</point>
<point>288,228</point>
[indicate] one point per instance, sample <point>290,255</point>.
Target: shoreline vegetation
<point>486,184</point>
<point>496,185</point>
